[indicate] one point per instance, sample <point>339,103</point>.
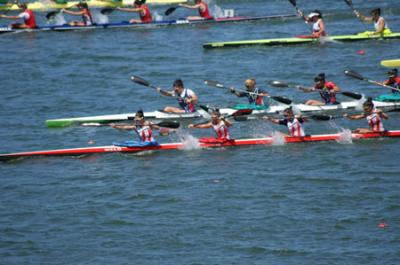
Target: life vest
<point>188,107</point>
<point>87,17</point>
<point>206,12</point>
<point>145,14</point>
<point>145,133</point>
<point>375,122</point>
<point>221,130</point>
<point>255,98</point>
<point>30,22</point>
<point>394,83</point>
<point>327,93</point>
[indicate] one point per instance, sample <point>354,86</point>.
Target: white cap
<point>313,14</point>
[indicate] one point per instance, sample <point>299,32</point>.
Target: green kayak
<point>301,40</point>
<point>395,97</point>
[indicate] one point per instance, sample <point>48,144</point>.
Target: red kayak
<point>203,143</point>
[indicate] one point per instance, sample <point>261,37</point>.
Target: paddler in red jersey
<point>27,15</point>
<point>373,116</point>
<point>326,89</point>
<point>187,99</point>
<point>142,128</point>
<point>87,19</point>
<point>254,94</point>
<point>393,81</point>
<point>294,123</point>
<point>141,8</point>
<point>379,22</point>
<point>219,124</point>
<point>204,12</point>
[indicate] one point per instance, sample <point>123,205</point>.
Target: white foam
<point>100,18</point>
<point>157,17</point>
<point>345,136</point>
<point>278,138</point>
<point>189,142</point>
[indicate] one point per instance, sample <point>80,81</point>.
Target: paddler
<point>87,19</point>
<point>326,89</point>
<point>218,123</point>
<point>142,8</point>
<point>373,116</point>
<point>142,127</point>
<point>253,94</point>
<point>393,81</point>
<point>318,25</point>
<point>26,14</point>
<point>379,22</point>
<point>202,7</point>
<point>187,99</point>
<point>294,123</point>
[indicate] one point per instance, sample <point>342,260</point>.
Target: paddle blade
<point>349,3</point>
<point>107,11</point>
<point>293,2</point>
<point>242,112</point>
<point>352,95</point>
<point>51,15</point>
<point>353,74</point>
<point>279,84</point>
<point>139,80</point>
<point>282,100</point>
<point>170,10</point>
<point>241,118</point>
<point>322,117</point>
<point>213,83</point>
<point>169,124</point>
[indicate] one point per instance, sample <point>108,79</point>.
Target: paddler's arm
<point>193,99</point>
<point>166,93</point>
<point>129,9</point>
<point>306,89</point>
<point>273,120</point>
<point>189,6</point>
<point>382,114</point>
<point>362,17</point>
<point>381,26</point>
<point>237,93</point>
<point>354,117</point>
<point>226,121</point>
<point>200,126</point>
<point>154,126</point>
<point>122,126</point>
<point>74,13</point>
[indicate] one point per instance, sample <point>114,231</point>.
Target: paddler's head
<point>197,1</point>
<point>82,5</point>
<point>375,13</point>
<point>215,115</point>
<point>315,15</point>
<point>392,73</point>
<point>250,84</point>
<point>23,6</point>
<point>139,117</point>
<point>138,3</point>
<point>368,106</point>
<point>319,80</point>
<point>178,86</point>
<point>288,113</point>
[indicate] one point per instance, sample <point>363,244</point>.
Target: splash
<point>189,142</point>
<point>157,17</point>
<point>59,19</point>
<point>278,138</point>
<point>100,18</point>
<point>345,136</point>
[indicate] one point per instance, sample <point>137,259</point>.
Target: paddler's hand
<point>232,90</point>
<point>266,118</point>
<point>191,126</point>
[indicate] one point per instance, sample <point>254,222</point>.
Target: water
<point>284,204</point>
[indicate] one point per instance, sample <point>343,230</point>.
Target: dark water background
<point>295,204</point>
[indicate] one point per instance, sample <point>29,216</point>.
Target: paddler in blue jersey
<point>393,81</point>
<point>326,89</point>
<point>379,22</point>
<point>253,93</point>
<point>143,128</point>
<point>187,99</point>
<point>294,123</point>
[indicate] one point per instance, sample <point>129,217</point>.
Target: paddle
<point>165,124</point>
<point>107,11</point>
<point>283,100</point>
<point>141,81</point>
<point>235,115</point>
<point>320,117</point>
<point>52,14</point>
<point>170,10</point>
<point>288,85</point>
<point>360,77</point>
<point>350,4</point>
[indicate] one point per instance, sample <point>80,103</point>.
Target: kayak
<point>126,24</point>
<point>203,143</point>
<point>391,63</point>
<point>47,5</point>
<point>271,110</point>
<point>299,40</point>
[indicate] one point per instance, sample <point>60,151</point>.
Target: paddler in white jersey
<point>294,123</point>
<point>373,116</point>
<point>218,123</point>
<point>318,26</point>
<point>187,99</point>
<point>379,22</point>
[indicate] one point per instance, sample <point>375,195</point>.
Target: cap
<point>313,14</point>
<point>139,115</point>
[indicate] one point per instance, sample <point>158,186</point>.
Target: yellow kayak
<point>391,63</point>
<point>47,5</point>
